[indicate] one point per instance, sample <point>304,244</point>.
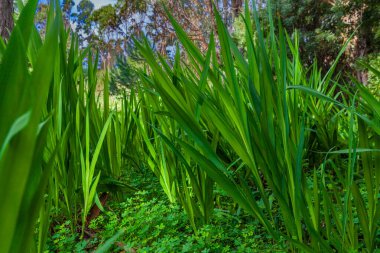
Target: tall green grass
<point>269,108</point>
<point>26,71</point>
<point>59,146</point>
<point>182,180</point>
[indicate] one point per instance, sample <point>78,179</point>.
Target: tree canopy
<point>323,26</point>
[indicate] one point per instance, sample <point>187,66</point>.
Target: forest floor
<point>146,222</point>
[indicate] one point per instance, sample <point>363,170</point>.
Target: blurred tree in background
<point>82,20</point>
<point>6,17</point>
<point>41,17</point>
<point>324,27</point>
<point>67,8</point>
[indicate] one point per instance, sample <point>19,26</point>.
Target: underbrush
<point>151,224</point>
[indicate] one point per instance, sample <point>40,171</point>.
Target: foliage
<point>48,99</point>
<point>323,28</point>
<point>373,79</point>
<point>151,224</point>
<point>25,77</point>
<point>82,18</point>
<point>238,140</point>
<point>123,75</point>
<point>255,103</point>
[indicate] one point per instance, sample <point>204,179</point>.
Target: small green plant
<point>149,223</point>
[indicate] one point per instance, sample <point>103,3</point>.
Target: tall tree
<point>324,27</point>
<point>6,17</point>
<point>132,15</point>
<point>107,23</point>
<point>191,14</point>
<point>67,7</point>
<point>40,18</point>
<point>236,7</point>
<point>112,26</point>
<point>83,19</point>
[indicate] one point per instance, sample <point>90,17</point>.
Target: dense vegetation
<point>239,147</point>
<point>323,26</point>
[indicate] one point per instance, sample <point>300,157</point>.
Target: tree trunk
<point>212,14</point>
<point>225,11</point>
<point>236,7</point>
<point>6,18</point>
